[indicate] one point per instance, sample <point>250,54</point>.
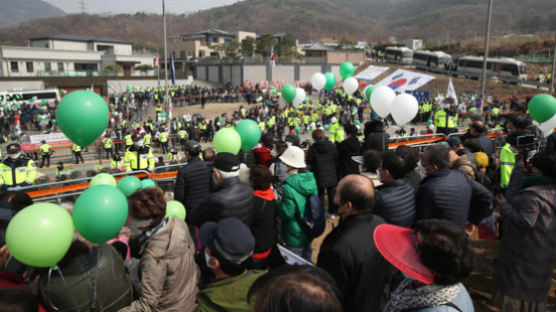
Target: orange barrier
<point>83,186</point>
<point>432,140</point>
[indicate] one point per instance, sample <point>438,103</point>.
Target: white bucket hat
<point>294,157</point>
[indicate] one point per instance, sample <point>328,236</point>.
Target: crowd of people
<point>400,221</point>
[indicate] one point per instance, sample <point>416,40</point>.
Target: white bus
<point>38,95</point>
<point>432,59</point>
<point>503,67</point>
<point>401,55</point>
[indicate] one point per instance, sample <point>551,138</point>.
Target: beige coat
<point>168,271</point>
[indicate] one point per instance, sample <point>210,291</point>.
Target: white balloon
<point>404,108</point>
<point>299,97</point>
<point>548,126</point>
<point>350,85</point>
<point>318,81</point>
<point>381,98</point>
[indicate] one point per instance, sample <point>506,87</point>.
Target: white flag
<point>452,93</point>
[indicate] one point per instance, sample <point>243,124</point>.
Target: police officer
<point>76,149</point>
<point>138,156</point>
<point>16,169</point>
<point>117,162</point>
<point>46,151</point>
<point>107,143</point>
<point>163,139</point>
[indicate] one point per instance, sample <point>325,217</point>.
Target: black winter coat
<point>350,256</point>
<point>193,184</point>
<point>231,198</point>
<point>376,141</point>
<point>395,203</point>
<point>323,158</point>
<point>347,148</point>
<point>449,194</point>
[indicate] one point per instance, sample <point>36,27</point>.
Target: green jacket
<point>227,295</point>
<point>296,190</point>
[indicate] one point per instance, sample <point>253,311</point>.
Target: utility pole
<point>165,60</point>
<point>487,38</point>
<point>551,86</point>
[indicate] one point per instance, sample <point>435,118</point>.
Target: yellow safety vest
<point>336,133</point>
<point>507,164</point>
<point>147,139</point>
<point>182,134</point>
<point>128,140</point>
<point>139,160</point>
<point>45,149</point>
<point>164,137</point>
<point>14,173</point>
<point>76,148</point>
<point>107,143</point>
<point>440,119</point>
<point>117,164</point>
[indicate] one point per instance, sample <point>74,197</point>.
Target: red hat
<point>398,246</point>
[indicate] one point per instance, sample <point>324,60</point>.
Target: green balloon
<point>346,70</point>
<point>175,209</point>
<point>129,185</point>
<point>326,127</point>
<point>100,213</point>
<point>250,134</point>
<point>330,81</point>
<point>357,122</point>
<point>128,88</point>
<point>54,121</point>
<point>44,102</point>
<point>103,179</point>
<point>227,140</point>
<point>542,107</point>
<point>148,183</point>
<point>368,91</point>
<point>39,117</point>
<point>82,116</point>
<point>40,235</point>
<point>288,92</point>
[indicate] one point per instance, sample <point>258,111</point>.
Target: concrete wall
<point>226,74</point>
<point>333,57</point>
<point>283,73</point>
<point>306,72</point>
<point>236,75</point>
<point>69,45</point>
<point>213,74</point>
<point>201,73</point>
<point>254,72</point>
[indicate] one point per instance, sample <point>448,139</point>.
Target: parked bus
<point>39,95</point>
<point>400,55</point>
<point>431,59</point>
<point>503,67</point>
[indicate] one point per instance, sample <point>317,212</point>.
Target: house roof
<point>316,47</point>
<point>71,37</point>
<point>214,32</point>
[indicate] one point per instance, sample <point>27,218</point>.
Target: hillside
<point>311,20</point>
<point>14,12</point>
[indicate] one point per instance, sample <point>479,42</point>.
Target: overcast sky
<point>132,6</point>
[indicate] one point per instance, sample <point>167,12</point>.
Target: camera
<point>526,141</point>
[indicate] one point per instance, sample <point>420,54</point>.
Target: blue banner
<point>172,69</point>
<point>420,95</point>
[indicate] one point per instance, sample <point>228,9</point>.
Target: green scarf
<point>529,181</point>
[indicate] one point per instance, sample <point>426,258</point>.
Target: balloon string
<point>47,297</point>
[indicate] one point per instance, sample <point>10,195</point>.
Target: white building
<point>413,44</point>
<point>71,55</point>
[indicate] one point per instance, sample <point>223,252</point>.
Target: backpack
<point>313,222</point>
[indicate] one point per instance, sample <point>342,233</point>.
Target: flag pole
<point>165,59</point>
<point>485,56</point>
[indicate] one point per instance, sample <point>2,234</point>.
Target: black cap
<point>454,141</point>
<point>13,148</point>
<point>136,137</point>
<point>227,162</point>
<point>294,139</point>
<point>229,239</point>
<point>192,146</point>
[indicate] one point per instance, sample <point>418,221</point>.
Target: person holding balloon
<point>138,156</point>
<point>167,267</point>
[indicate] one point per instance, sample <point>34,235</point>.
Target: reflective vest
<point>107,143</point>
<point>123,123</point>
<point>76,148</point>
<point>314,117</point>
<point>139,160</point>
<point>495,111</point>
<point>182,134</point>
<point>163,137</point>
<point>336,133</point>
<point>45,149</point>
<point>507,163</point>
<point>262,126</point>
<point>440,119</point>
<point>117,164</point>
<point>202,126</point>
<point>453,121</point>
<point>14,173</point>
<point>306,119</point>
<point>128,140</point>
<point>147,139</point>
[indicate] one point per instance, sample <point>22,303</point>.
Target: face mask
<point>378,175</point>
<point>207,258</point>
<point>138,143</point>
<point>422,169</point>
<point>14,156</point>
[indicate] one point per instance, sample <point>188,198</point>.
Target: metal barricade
<point>162,174</point>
